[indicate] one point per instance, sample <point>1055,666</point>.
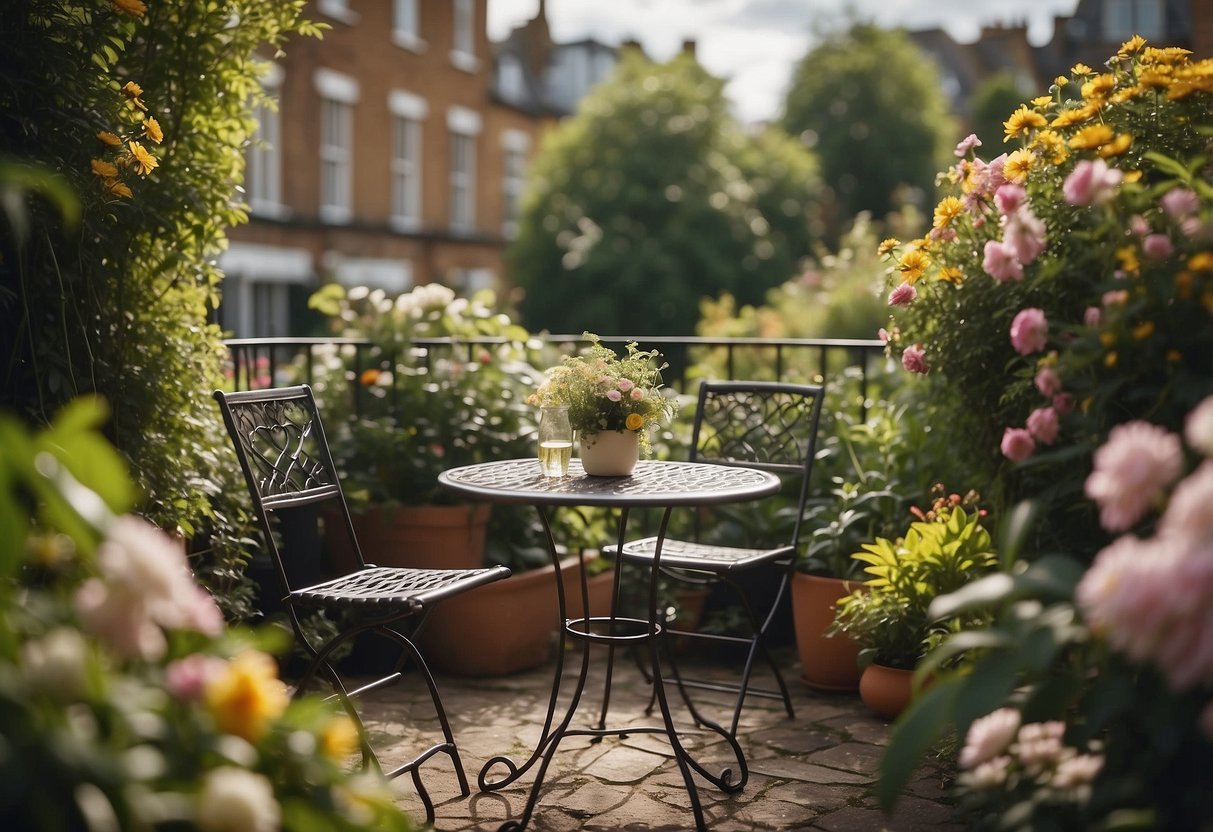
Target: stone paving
<point>811,772</point>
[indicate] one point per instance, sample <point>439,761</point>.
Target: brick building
<point>397,154</point>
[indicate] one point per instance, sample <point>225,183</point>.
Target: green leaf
<point>916,730</point>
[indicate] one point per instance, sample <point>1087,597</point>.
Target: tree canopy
<point>650,198</point>
<point>870,104</point>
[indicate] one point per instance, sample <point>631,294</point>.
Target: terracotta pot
<point>416,537</point>
<point>827,663</point>
<point>507,626</point>
<point>610,453</point>
<point>886,690</point>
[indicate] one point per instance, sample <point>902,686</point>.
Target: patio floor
<point>811,772</point>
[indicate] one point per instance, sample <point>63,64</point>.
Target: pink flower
<point>1063,403</point>
<point>994,171</point>
<point>1115,297</point>
<point>999,262</point>
<point>1138,225</point>
<point>1010,197</point>
<point>966,144</point>
<point>1179,203</point>
<point>1017,444</point>
<point>1076,771</point>
<point>943,235</point>
<point>883,335</point>
<point>1029,331</point>
<point>1131,470</point>
<point>614,395</point>
<point>625,384</point>
<point>186,679</point>
<point>636,394</point>
<point>1092,316</point>
<point>903,295</point>
<point>1024,235</point>
<point>1157,246</point>
<point>1189,512</point>
<point>1039,744</point>
<point>1091,181</point>
<point>989,736</point>
<point>1048,382</point>
<point>914,359</point>
<point>1198,427</point>
<point>1042,424</point>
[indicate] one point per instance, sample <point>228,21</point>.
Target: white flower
<point>236,800</point>
<point>1078,770</point>
<point>1189,513</point>
<point>989,736</point>
<point>55,663</point>
<point>991,774</point>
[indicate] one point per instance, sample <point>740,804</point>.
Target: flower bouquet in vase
<point>612,403</point>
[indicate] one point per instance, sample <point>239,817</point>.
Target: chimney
<point>688,46</point>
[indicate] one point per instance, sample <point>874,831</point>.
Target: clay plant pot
<point>886,690</point>
<point>828,663</point>
<point>507,626</point>
<point>415,537</point>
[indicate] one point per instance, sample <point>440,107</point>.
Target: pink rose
<point>1048,382</point>
<point>1010,197</point>
<point>1042,424</point>
<point>636,394</point>
<point>1157,246</point>
<point>1179,203</point>
<point>995,172</point>
<point>914,359</point>
<point>999,262</point>
<point>625,384</point>
<point>1017,444</point>
<point>1091,181</point>
<point>1063,403</point>
<point>903,295</point>
<point>1132,469</point>
<point>1029,331</point>
<point>1138,225</point>
<point>1092,316</point>
<point>614,395</point>
<point>1024,235</point>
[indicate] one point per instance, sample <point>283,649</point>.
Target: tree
<point>652,197</point>
<point>870,104</point>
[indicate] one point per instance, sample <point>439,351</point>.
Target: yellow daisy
<point>948,209</point>
<point>952,274</point>
<point>117,187</point>
<point>1117,146</point>
<point>1098,87</point>
<point>103,169</point>
<point>1081,69</point>
<point>1042,101</point>
<point>1016,168</point>
<point>247,696</point>
<point>912,265</point>
<point>1074,115</point>
<point>132,89</point>
<point>144,162</point>
<point>1021,121</point>
<point>1050,146</point>
<point>1165,55</point>
<point>1061,80</point>
<point>1091,137</point>
<point>1143,330</point>
<point>1132,45</point>
<point>108,138</point>
<point>152,128</point>
<point>887,246</point>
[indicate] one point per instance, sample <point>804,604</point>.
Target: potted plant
<point>946,548</point>
<point>613,402</point>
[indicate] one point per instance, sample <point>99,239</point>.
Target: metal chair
<point>766,425</point>
<point>285,458</point>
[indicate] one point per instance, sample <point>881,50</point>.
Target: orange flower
<point>108,138</point>
<point>634,421</point>
<point>152,128</point>
<point>247,696</point>
<point>144,162</point>
<point>103,169</point>
<point>132,7</point>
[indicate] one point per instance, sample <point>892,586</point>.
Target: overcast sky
<point>755,43</point>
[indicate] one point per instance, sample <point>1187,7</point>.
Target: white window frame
<point>338,10</point>
<point>406,25</point>
<point>338,95</point>
<point>463,35</point>
<point>263,164</point>
<point>408,112</point>
<point>464,126</point>
<point>515,148</point>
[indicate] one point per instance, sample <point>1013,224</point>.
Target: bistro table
<point>653,484</point>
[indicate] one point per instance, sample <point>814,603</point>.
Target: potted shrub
<point>940,553</point>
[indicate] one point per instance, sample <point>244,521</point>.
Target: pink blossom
<point>1063,403</point>
<point>1039,744</point>
<point>636,394</point>
<point>1010,198</point>
<point>994,170</point>
<point>999,262</point>
<point>1179,203</point>
<point>991,774</point>
<point>1131,470</point>
<point>186,679</point>
<point>625,384</point>
<point>1157,246</point>
<point>614,395</point>
<point>1029,331</point>
<point>1048,382</point>
<point>1017,444</point>
<point>1138,225</point>
<point>1024,235</point>
<point>1116,297</point>
<point>966,144</point>
<point>1198,427</point>
<point>1042,424</point>
<point>903,295</point>
<point>1092,316</point>
<point>1079,770</point>
<point>989,736</point>
<point>1189,512</point>
<point>942,235</point>
<point>883,335</point>
<point>119,618</point>
<point>914,359</point>
<point>1091,181</point>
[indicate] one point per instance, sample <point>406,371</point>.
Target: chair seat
<point>686,554</point>
<point>386,586</point>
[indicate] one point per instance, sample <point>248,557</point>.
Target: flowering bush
<point>606,392</point>
<point>124,702</point>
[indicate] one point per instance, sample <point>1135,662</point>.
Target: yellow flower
<point>1127,255</point>
<point>1016,168</point>
<point>1183,284</point>
<point>1202,261</point>
<point>1050,146</point>
<point>368,377</point>
<point>912,264</point>
<point>1117,146</point>
<point>1107,339</point>
<point>1155,79</point>
<point>1061,80</point>
<point>948,209</point>
<point>131,7</point>
<point>1098,87</point>
<point>247,695</point>
<point>1132,45</point>
<point>103,169</point>
<point>1132,176</point>
<point>108,138</point>
<point>1081,69</point>
<point>144,162</point>
<point>1042,101</point>
<point>132,89</point>
<point>152,128</point>
<point>1165,55</point>
<point>952,274</point>
<point>1126,94</point>
<point>1174,356</point>
<point>1109,360</point>
<point>1021,121</point>
<point>1143,330</point>
<point>1091,137</point>
<point>118,188</point>
<point>634,421</point>
<point>339,739</point>
<point>1074,115</point>
<point>887,246</point>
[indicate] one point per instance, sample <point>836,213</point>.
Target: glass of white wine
<point>555,440</point>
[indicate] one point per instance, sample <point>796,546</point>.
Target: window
<point>338,10</point>
<point>407,110</point>
<point>514,146</point>
<point>263,173</point>
<point>406,25</point>
<point>1122,19</point>
<point>338,94</point>
<point>463,42</point>
<point>464,126</point>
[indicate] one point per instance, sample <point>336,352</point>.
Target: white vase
<point>610,453</point>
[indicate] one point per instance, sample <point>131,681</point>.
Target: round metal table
<point>653,484</point>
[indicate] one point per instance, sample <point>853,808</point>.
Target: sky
<point>754,44</point>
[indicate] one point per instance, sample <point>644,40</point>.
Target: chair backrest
<point>760,424</point>
<point>280,443</point>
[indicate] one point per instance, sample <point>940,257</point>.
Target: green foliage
<point>996,98</point>
<point>868,102</point>
<point>650,198</point>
